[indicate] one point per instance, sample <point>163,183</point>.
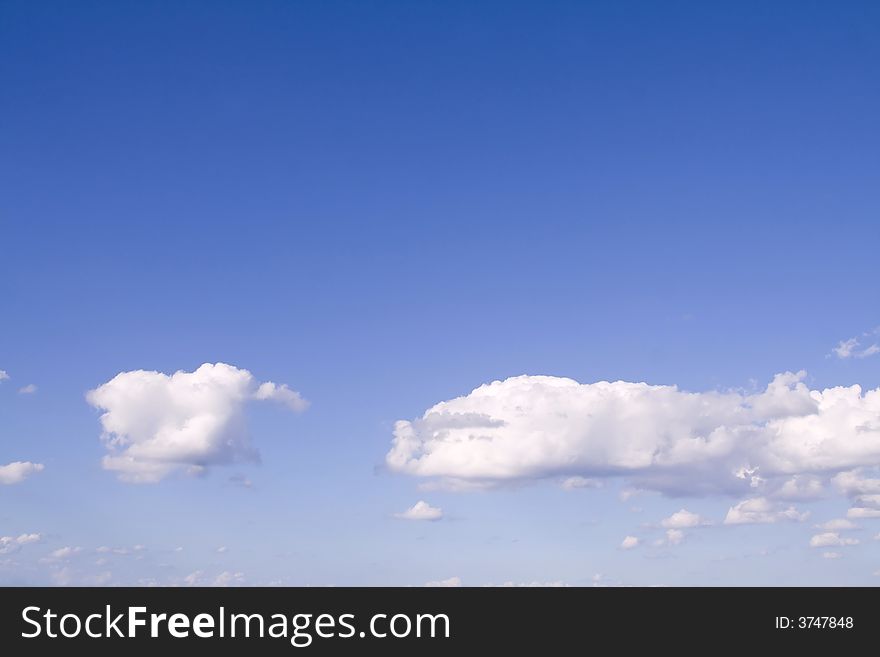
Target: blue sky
<point>387,205</point>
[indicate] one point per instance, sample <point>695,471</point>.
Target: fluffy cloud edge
<point>155,424</point>
<point>17,471</point>
<point>421,510</point>
<point>783,442</point>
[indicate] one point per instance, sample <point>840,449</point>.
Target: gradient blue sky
<point>385,205</point>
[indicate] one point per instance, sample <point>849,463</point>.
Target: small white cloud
<point>845,348</point>
<point>18,471</point>
<point>228,578</point>
<point>24,539</point>
<point>155,423</point>
<point>837,524</point>
<point>862,513</point>
<point>760,510</point>
<point>290,398</point>
<point>801,488</point>
<point>421,510</point>
<point>751,475</point>
<point>831,539</point>
<point>529,585</point>
<point>221,549</point>
<point>452,582</point>
<point>627,494</point>
<point>853,483</point>
<point>120,551</point>
<point>672,537</point>
<point>10,544</point>
<point>3,375</point>
<point>240,480</point>
<point>629,542</point>
<point>683,519</point>
<point>29,389</point>
<point>831,555</point>
<point>852,348</point>
<point>64,553</point>
<point>573,483</point>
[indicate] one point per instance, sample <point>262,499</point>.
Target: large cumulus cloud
<point>656,436</point>
<point>156,423</point>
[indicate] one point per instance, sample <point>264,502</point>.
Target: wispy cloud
<point>862,346</point>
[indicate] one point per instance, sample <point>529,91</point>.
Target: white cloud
<point>291,398</point>
<point>683,519</point>
<point>760,510</point>
<point>64,553</point>
<point>10,544</point>
<point>452,582</point>
<point>872,500</point>
<point>224,579</point>
<point>831,555</point>
<point>837,524</point>
<point>627,494</point>
<point>671,537</point>
<point>29,389</point>
<point>18,471</point>
<point>195,578</point>
<point>120,551</point>
<point>801,488</point>
<point>853,483</point>
<point>155,424</point>
<point>64,575</point>
<point>241,481</point>
<point>831,539</point>
<point>222,549</point>
<point>864,491</point>
<point>573,483</point>
<point>854,347</point>
<point>845,348</point>
<point>3,375</point>
<point>658,437</point>
<point>629,542</point>
<point>529,585</point>
<point>229,578</point>
<point>24,539</point>
<point>421,510</point>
